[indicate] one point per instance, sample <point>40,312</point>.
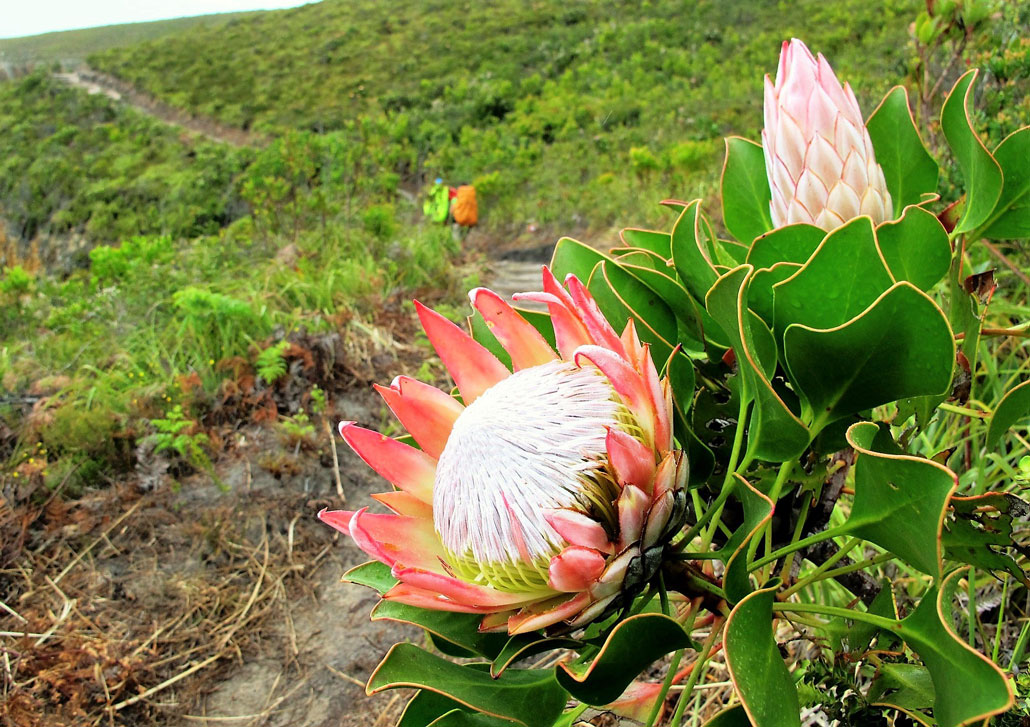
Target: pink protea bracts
<point>818,154</point>
<point>546,493</point>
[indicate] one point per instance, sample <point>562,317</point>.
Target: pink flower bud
<point>818,154</point>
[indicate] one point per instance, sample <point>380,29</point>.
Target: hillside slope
<point>71,46</point>
<point>615,104</point>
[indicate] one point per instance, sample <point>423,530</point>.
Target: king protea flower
<point>818,154</point>
<point>545,494</point>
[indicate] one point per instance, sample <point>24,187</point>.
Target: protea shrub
<point>818,154</point>
<point>547,494</point>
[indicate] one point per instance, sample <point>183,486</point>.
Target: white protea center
<point>533,442</point>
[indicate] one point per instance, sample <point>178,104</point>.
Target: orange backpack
<point>463,208</point>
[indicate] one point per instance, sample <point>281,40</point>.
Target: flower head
<point>544,495</point>
<point>818,154</point>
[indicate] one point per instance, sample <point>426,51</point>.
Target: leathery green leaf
<point>907,166</point>
<point>575,257</point>
<point>980,530</point>
<point>659,243</point>
<point>619,294</point>
<point>844,275</point>
<point>787,244</point>
<point>524,646</point>
<point>1011,218</point>
<point>692,260</point>
<point>373,575</point>
<point>1015,405</point>
<point>734,716</point>
<point>460,629</point>
<point>621,297</point>
<point>745,190</point>
<point>968,687</point>
<point>759,675</point>
<point>980,171</point>
<point>528,697</point>
<point>903,686</point>
<point>758,509</point>
<point>916,247</point>
<point>775,433</point>
<point>629,648</point>
<point>429,709</point>
<point>900,346</point>
<point>900,500</point>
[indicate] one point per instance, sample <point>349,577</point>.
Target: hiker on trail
<point>464,211</point>
<point>437,204</point>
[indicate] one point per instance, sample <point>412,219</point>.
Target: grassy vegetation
<point>616,105</point>
<point>75,163</point>
<point>70,46</point>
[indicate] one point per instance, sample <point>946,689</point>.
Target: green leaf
<point>907,166</point>
<point>788,244</point>
<point>575,257</point>
<point>1014,406</point>
<point>980,171</point>
<point>619,294</point>
<point>481,332</point>
<point>775,433</point>
<point>374,575</point>
<point>861,634</point>
<point>762,680</point>
<point>692,261</point>
<point>425,707</point>
<point>901,346</point>
<point>968,687</point>
<point>429,709</point>
<point>900,500</point>
<point>1011,218</point>
<point>529,697</point>
<point>460,629</point>
<point>904,686</point>
<point>745,190</point>
<point>843,277</point>
<point>758,510</point>
<point>916,247</point>
<point>631,646</point>
<point>461,718</point>
<point>760,291</point>
<point>734,716</point>
<point>675,296</point>
<point>660,243</point>
<point>621,297</point>
<point>524,646</point>
<point>980,530</point>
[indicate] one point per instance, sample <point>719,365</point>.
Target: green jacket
<point>437,203</point>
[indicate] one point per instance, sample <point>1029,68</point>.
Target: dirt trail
<point>95,82</point>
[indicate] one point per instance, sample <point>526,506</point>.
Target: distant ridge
<point>70,47</point>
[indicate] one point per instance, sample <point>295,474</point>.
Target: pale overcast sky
<point>31,17</point>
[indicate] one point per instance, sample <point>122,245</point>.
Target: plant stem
<point>800,544</point>
<point>774,495</point>
<point>1001,617</point>
<point>861,565</point>
<point>964,411</point>
<point>714,511</point>
<point>674,665</point>
<point>799,528</point>
<point>846,613</point>
<point>695,674</point>
<point>826,565</point>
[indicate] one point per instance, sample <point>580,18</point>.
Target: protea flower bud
<point>818,154</point>
<point>548,493</point>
